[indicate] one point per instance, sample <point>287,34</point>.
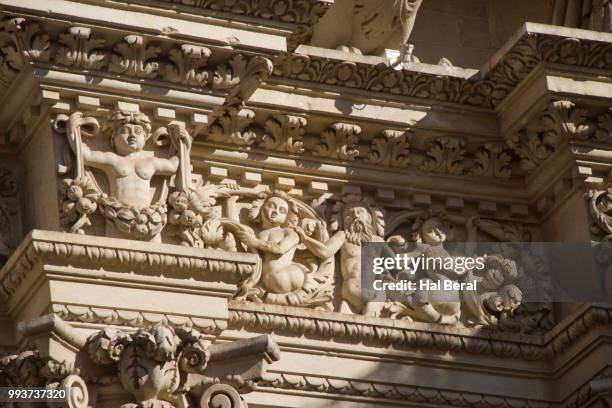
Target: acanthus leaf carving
<point>132,56</point>
<point>562,121</point>
<point>570,119</point>
<point>445,155</point>
<point>390,148</point>
<point>188,63</point>
<point>492,160</point>
<point>20,41</point>
<point>232,127</point>
<point>339,142</point>
<point>155,364</point>
<point>241,76</point>
<point>603,133</point>
<point>149,362</point>
<point>80,49</point>
<point>29,368</point>
<point>283,133</point>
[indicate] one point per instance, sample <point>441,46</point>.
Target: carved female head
<point>130,131</point>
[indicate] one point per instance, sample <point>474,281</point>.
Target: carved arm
<point>322,250</point>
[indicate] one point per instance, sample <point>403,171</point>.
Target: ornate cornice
<point>535,46</point>
<point>403,335</point>
<point>135,57</point>
<point>384,391</point>
<point>111,254</point>
<point>134,318</point>
<point>302,15</point>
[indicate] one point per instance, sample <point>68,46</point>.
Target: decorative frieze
<point>80,50</point>
<point>137,56</point>
<point>304,14</point>
<point>561,123</point>
<point>488,91</point>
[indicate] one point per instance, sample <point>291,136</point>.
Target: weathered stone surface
<point>187,187</point>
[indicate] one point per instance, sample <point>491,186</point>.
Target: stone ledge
<point>403,334</point>
<point>533,44</point>
<point>145,258</point>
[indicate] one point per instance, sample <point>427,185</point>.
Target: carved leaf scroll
<point>80,49</point>
<point>133,56</point>
<point>390,148</point>
<point>339,142</point>
<point>283,133</point>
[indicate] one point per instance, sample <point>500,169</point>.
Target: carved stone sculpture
<point>356,222</point>
<point>369,26</point>
<point>132,206</point>
<point>293,271</point>
<point>494,295</point>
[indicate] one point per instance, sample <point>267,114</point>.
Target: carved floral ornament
<point>303,13</point>
<point>341,142</point>
<point>159,366</point>
<point>488,92</point>
<point>296,249</point>
<point>560,123</point>
<point>79,47</point>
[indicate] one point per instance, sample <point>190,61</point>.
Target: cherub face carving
<point>433,231</point>
<point>275,210</point>
<point>129,138</point>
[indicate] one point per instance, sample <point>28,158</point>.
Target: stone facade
<point>186,187</point>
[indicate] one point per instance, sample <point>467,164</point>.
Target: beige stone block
<point>519,210</point>
<point>127,106</point>
<point>284,183</point>
<point>421,200</point>
<point>217,172</point>
<point>351,189</point>
<point>251,178</point>
<point>455,203</point>
<point>318,187</point>
<point>384,194</point>
<point>87,102</point>
<point>487,207</point>
<point>165,114</point>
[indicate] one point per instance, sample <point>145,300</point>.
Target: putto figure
<point>278,243</point>
<point>129,204</point>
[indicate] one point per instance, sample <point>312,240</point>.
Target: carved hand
<point>473,223</point>
<point>180,135</point>
<point>247,238</point>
